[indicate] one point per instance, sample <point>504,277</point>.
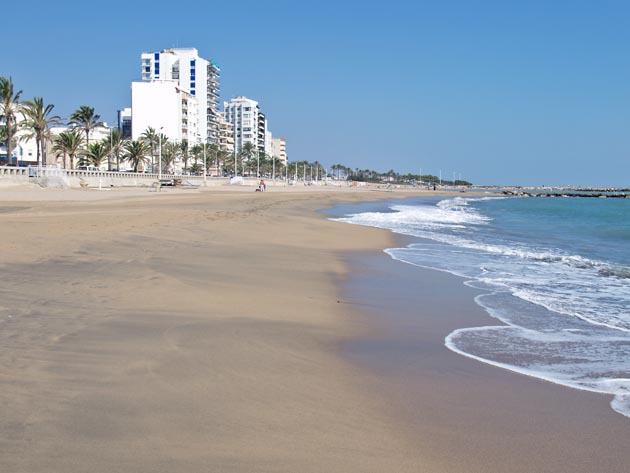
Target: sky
<point>497,92</point>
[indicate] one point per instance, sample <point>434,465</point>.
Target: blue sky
<point>501,92</point>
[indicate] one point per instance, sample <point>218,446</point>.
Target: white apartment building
<point>268,142</point>
<point>249,124</point>
<point>279,149</point>
<point>226,134</point>
<point>262,132</point>
<point>166,107</point>
<point>194,76</point>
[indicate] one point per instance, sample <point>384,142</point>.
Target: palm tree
<point>85,118</point>
<point>38,120</point>
<point>170,152</point>
<point>196,168</point>
<point>183,151</point>
<point>221,156</point>
<point>9,101</point>
<point>247,154</point>
<point>136,153</point>
<point>264,163</point>
<point>228,164</point>
<point>68,143</point>
<point>96,153</point>
<point>150,137</point>
<point>115,144</point>
<point>276,165</point>
<point>197,152</point>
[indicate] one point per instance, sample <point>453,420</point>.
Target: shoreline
<point>203,331</point>
<point>463,414</point>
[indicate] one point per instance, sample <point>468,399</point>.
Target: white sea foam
<point>567,318</point>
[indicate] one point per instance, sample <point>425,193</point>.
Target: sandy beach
<point>221,331</point>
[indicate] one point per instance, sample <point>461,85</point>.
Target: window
<point>192,85</point>
<point>247,129</point>
<point>157,56</point>
<point>147,69</point>
<point>248,109</point>
<point>192,63</point>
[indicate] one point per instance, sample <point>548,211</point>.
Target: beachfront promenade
<point>73,178</point>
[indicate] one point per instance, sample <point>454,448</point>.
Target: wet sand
<point>464,415</point>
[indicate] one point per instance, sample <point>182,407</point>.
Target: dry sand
<point>183,332</point>
<point>198,331</point>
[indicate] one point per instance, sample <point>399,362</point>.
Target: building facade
<point>279,149</point>
<point>124,122</point>
<point>167,108</point>
<point>242,114</point>
<point>193,75</point>
<point>249,124</point>
<point>262,132</point>
<point>226,134</point>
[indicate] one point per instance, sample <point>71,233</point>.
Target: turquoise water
<point>555,272</point>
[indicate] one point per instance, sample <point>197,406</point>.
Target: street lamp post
<point>111,143</point>
<point>205,172</point>
<point>160,155</point>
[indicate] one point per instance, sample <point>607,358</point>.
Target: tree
<point>228,164</point>
<point>136,153</point>
<point>86,119</point>
<point>217,156</point>
<point>115,147</point>
<point>68,143</point>
<point>247,154</point>
<point>95,154</point>
<point>196,168</point>
<point>266,164</point>
<point>38,120</point>
<point>197,153</point>
<point>150,137</point>
<point>276,166</point>
<point>183,152</point>
<point>170,153</point>
<point>9,101</point>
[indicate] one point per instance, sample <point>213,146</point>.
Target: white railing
<point>12,171</point>
<point>73,177</point>
<point>53,171</point>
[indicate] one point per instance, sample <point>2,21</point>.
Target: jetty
<point>590,193</point>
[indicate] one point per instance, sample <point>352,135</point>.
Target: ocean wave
<point>566,315</point>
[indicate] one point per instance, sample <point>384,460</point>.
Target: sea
<point>553,272</point>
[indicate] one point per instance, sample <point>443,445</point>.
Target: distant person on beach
<point>262,186</point>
